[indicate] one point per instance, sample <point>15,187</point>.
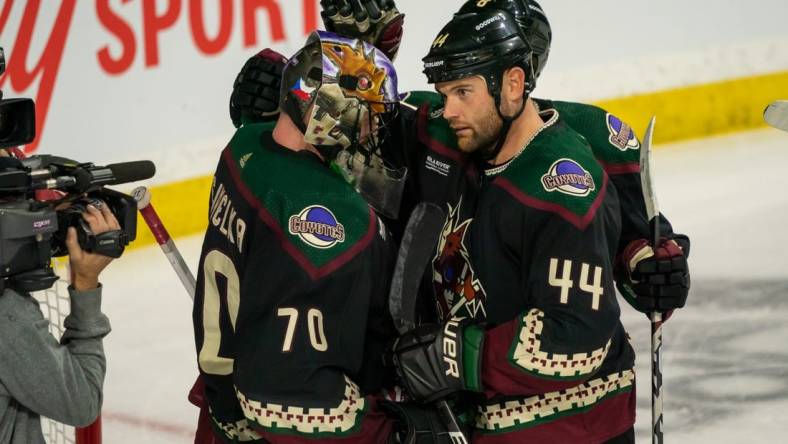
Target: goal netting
<point>55,305</point>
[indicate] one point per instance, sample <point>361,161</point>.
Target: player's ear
<point>513,86</point>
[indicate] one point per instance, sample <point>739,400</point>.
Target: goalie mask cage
<point>55,305</point>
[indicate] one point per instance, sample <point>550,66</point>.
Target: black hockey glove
<point>655,281</point>
<point>415,424</point>
<point>255,96</point>
<point>374,21</point>
<point>434,360</point>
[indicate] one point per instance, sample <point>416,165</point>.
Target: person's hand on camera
<point>85,266</point>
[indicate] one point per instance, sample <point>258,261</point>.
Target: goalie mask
<point>342,95</point>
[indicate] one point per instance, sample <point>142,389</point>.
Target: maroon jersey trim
<point>314,272</point>
<point>623,168</point>
<point>431,143</point>
<point>580,222</point>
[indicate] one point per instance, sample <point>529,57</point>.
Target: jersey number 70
<point>215,263</point>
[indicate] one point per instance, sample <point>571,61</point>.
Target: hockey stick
<point>652,210</point>
<point>415,251</point>
<point>142,196</point>
<point>776,115</point>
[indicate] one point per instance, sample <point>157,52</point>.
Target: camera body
<point>42,196</point>
<point>110,243</point>
<point>17,117</point>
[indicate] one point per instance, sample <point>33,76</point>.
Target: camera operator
<point>41,377</point>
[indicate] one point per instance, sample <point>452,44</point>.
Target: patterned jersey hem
<point>239,431</point>
<point>316,422</point>
<point>527,353</point>
<point>529,412</point>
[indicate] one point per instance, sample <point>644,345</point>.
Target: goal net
<point>55,305</point>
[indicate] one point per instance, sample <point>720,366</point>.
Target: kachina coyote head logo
<point>621,134</point>
<point>568,177</point>
<point>317,226</point>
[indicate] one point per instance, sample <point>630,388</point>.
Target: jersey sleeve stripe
<point>580,222</point>
<point>623,168</point>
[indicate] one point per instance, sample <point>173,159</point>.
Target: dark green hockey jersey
<point>290,312</point>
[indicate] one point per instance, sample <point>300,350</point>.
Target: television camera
<point>41,196</point>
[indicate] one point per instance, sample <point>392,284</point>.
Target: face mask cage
<point>363,165</point>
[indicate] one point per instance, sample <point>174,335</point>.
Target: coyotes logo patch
<point>621,134</point>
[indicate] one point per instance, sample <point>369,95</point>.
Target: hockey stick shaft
<point>776,115</point>
<point>657,436</point>
<point>142,195</point>
<point>652,211</point>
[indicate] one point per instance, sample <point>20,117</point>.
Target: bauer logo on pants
<point>317,226</point>
<point>621,134</point>
<point>568,177</point>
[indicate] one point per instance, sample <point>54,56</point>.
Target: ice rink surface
<point>725,354</point>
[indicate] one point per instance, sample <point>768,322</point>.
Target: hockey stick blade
<point>776,115</point>
<point>416,249</point>
<point>647,180</point>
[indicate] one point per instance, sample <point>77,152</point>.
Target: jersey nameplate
<point>224,216</point>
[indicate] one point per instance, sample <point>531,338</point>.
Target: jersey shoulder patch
<point>557,172</point>
<point>612,140</point>
<point>320,219</point>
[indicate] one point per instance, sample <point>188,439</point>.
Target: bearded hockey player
<point>290,313</point>
<point>534,321</point>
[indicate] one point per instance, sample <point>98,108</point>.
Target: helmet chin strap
<point>488,156</point>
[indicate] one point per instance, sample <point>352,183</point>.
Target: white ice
<point>725,354</point>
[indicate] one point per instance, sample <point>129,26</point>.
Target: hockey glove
<point>435,361</point>
<point>255,96</point>
<point>654,281</point>
<point>374,21</point>
<point>416,424</point>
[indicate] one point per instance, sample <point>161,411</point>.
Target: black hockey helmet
<point>484,43</point>
<point>531,19</point>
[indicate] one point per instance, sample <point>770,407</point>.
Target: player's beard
<point>483,136</point>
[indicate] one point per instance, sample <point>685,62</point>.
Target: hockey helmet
<point>486,43</point>
<point>531,19</point>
